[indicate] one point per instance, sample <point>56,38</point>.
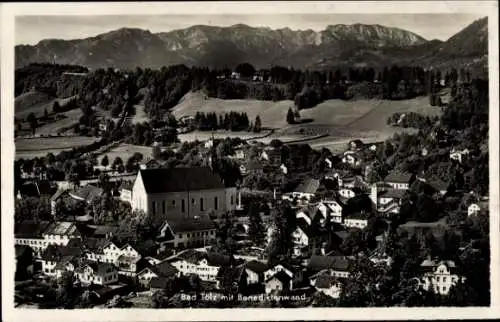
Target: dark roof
<point>342,234</point>
<point>256,266</point>
<point>30,229</point>
<point>62,228</point>
<point>392,193</point>
<point>213,259</point>
<point>88,192</point>
<point>319,262</point>
<point>304,226</point>
<point>29,189</point>
<point>309,185</point>
<point>400,177</point>
<point>358,215</point>
<point>227,276</point>
<point>164,269</point>
<point>216,259</point>
<point>437,184</point>
<point>180,179</point>
<point>198,223</point>
<point>103,230</point>
<point>281,276</point>
<point>159,282</point>
<point>45,187</point>
<point>59,253</point>
<point>324,281</point>
<point>99,268</point>
<point>96,244</point>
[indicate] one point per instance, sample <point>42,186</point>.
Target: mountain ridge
<point>216,47</point>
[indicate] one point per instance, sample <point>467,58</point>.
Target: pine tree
<point>290,118</point>
<point>257,125</point>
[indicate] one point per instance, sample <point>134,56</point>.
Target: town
<point>248,186</point>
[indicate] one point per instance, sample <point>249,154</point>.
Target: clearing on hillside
<point>72,117</point>
<point>36,102</point>
<point>39,147</point>
<point>272,114</point>
<point>125,151</point>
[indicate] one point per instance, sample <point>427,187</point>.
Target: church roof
<point>180,179</point>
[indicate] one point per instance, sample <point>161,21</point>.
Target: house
<point>87,193</point>
<point>473,209</point>
<point>356,220</point>
<point>271,271</point>
<point>459,155</point>
<point>97,273</point>
<point>385,198</point>
<point>125,257</point>
<point>162,271</point>
<point>351,158</point>
<point>60,233</point>
<point>337,266</point>
<point>278,283</point>
<point>307,189</point>
<point>204,264</point>
<point>399,180</point>
<point>30,233</point>
<point>232,279</point>
<point>181,192</point>
<point>273,156</point>
<point>331,209</point>
<point>126,193</point>
<point>300,238</point>
<point>239,154</point>
<point>193,231</point>
<point>439,276</point>
<point>60,193</point>
<point>56,259</point>
<point>255,272</point>
<point>24,261</point>
<point>327,284</point>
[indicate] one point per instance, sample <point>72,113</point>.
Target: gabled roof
<point>392,193</point>
<point>164,269</point>
<point>280,276</point>
<point>398,177</point>
<point>256,266</point>
<point>58,253</point>
<point>202,222</point>
<point>309,185</point>
<point>163,180</point>
<point>358,215</point>
<point>96,244</point>
<point>319,262</point>
<point>88,192</point>
<point>62,228</point>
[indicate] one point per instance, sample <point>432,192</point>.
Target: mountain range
<point>336,46</point>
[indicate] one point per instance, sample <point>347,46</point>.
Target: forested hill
<point>217,47</point>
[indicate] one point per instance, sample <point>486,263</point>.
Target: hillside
<point>216,47</point>
<point>32,102</point>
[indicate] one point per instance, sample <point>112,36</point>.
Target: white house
<point>459,155</point>
<point>97,273</point>
<point>278,283</point>
<point>163,269</point>
<point>331,209</point>
<point>473,209</point>
<point>193,231</point>
<point>307,189</point>
<point>205,265</point>
<point>181,192</point>
<point>255,272</point>
<point>300,238</point>
<point>270,272</point>
<point>356,220</point>
<point>399,180</point>
<point>439,276</point>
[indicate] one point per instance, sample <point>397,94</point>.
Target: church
<point>182,193</point>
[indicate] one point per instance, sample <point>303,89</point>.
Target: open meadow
<point>37,103</point>
<point>125,151</point>
<point>71,118</point>
<point>39,147</point>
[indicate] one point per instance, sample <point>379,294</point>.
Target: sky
<point>31,29</point>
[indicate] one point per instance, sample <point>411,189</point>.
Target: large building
<point>181,192</point>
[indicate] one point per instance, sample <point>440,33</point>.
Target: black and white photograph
<point>238,160</point>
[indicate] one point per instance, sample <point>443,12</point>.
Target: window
<point>443,289</point>
<point>180,235</point>
<point>188,235</point>
<point>183,205</point>
<point>193,201</point>
<point>438,278</point>
<point>201,204</point>
<point>163,206</point>
<point>216,203</point>
<point>173,203</point>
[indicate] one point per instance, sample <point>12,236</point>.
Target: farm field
<point>34,102</point>
<point>125,151</point>
<point>38,147</point>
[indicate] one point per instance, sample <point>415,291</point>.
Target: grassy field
<point>38,147</point>
<point>35,102</point>
<point>125,151</point>
<point>272,114</point>
<point>72,118</point>
<point>341,120</point>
